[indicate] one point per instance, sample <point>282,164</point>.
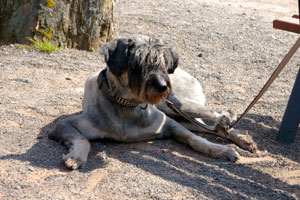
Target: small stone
<point>31,169</point>
<point>18,187</point>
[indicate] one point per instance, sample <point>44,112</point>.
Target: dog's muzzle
<point>157,88</point>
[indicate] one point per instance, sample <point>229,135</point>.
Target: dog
<point>125,102</point>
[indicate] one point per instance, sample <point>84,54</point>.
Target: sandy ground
<point>229,46</point>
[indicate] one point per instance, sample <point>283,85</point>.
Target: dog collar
<point>106,90</point>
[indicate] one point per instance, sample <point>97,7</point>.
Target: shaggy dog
<point>125,102</point>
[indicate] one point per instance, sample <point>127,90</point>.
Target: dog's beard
<point>153,97</point>
<point>147,91</point>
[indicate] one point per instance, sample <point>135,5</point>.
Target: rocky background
<point>232,49</point>
<point>74,24</point>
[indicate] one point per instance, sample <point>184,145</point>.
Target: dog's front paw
<point>228,153</point>
<point>223,123</point>
<point>73,162</point>
<point>244,141</point>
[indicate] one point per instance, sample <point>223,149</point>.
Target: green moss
<point>45,46</point>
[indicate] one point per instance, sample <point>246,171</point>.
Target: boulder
<point>81,24</point>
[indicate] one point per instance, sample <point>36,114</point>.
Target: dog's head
<point>146,62</point>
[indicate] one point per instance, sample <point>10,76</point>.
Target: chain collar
<point>106,90</point>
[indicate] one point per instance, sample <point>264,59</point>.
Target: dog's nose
<point>161,86</point>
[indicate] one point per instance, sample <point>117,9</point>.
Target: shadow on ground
<point>265,130</point>
<point>47,153</point>
<point>177,163</point>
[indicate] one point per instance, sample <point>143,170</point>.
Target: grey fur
<point>137,70</point>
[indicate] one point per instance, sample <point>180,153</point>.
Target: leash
<point>178,111</point>
<point>275,74</point>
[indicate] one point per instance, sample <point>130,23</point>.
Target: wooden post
<point>291,118</point>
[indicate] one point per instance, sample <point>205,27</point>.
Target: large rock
<point>81,24</point>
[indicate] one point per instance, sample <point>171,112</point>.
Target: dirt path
<point>229,46</point>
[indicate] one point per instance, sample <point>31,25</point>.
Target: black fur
<point>115,54</point>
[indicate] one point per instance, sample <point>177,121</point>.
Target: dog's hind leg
<point>222,119</point>
<point>78,145</point>
<point>244,141</point>
<point>187,96</point>
<point>200,144</point>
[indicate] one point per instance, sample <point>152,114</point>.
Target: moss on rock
<point>77,24</point>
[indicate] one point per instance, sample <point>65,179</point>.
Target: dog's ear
<point>115,55</point>
<point>172,60</point>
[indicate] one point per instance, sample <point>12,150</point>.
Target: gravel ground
<point>229,46</point>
